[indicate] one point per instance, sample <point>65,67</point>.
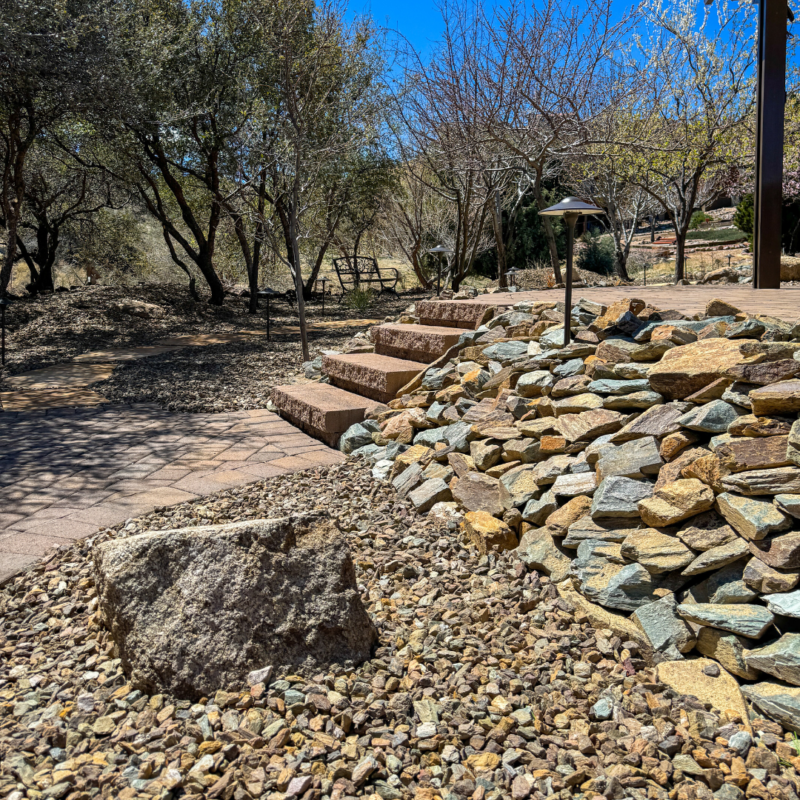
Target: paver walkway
<point>64,473</point>
<point>782,303</point>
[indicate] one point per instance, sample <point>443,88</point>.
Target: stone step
<point>321,410</point>
<point>451,313</point>
<point>370,374</point>
<point>424,343</point>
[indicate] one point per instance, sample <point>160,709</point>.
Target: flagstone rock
<point>777,701</point>
<point>766,373</point>
<point>538,550</point>
<point>619,387</point>
<point>755,453</point>
<point>634,459</point>
<point>479,492</point>
<point>777,398</point>
<point>713,417</point>
<point>535,384</point>
<point>787,604</point>
<point>658,421</point>
<point>537,511</point>
<point>744,620</point>
<point>198,592</point>
<point>576,404</point>
<point>717,557</point>
<point>506,352</point>
<point>427,494</point>
<point>589,424</point>
<point>750,517</point>
<point>676,502</point>
<point>780,552</point>
<point>573,485</point>
<point>705,531</point>
<point>689,677</point>
<point>663,628</point>
<point>687,369</point>
<point>726,585</point>
<point>766,580</point>
<point>485,453</point>
<point>526,451</point>
<point>604,578</point>
<point>789,503</point>
<point>520,485</point>
<point>674,469</point>
<point>619,498</point>
<point>728,649</point>
<point>781,658</point>
<point>635,400</point>
<point>656,551</point>
<point>751,425</point>
<point>780,480</point>
<point>560,520</point>
<point>488,533</point>
<point>604,530</point>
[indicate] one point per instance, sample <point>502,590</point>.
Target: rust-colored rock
<point>369,374</point>
<point>452,313</point>
<point>753,453</point>
<point>777,398</point>
<point>488,533</point>
<point>685,370</point>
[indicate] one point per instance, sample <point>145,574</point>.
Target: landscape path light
<point>266,294</point>
<point>512,274</point>
<point>441,250</point>
<point>570,208</point>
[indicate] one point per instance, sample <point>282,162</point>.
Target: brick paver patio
<point>782,303</point>
<point>66,472</point>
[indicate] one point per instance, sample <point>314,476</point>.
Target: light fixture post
<point>570,208</point>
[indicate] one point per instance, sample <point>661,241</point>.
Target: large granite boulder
<point>195,610</point>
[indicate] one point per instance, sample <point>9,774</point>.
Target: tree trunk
<point>621,263</point>
<point>298,278</point>
<point>548,228</point>
<point>497,224</point>
<point>680,248</point>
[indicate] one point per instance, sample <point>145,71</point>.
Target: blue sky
<point>418,20</point>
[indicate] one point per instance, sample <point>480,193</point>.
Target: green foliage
<point>112,243</point>
<point>699,218</point>
<point>597,254</point>
<point>716,235</point>
<point>744,220</point>
<point>359,298</point>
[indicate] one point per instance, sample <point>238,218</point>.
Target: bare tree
<point>689,133</point>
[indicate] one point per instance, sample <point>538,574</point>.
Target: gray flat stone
<point>634,459</point>
<point>713,417</point>
<point>663,628</point>
<point>619,498</point>
<point>717,557</point>
<point>781,659</point>
<point>787,604</point>
<point>750,621</point>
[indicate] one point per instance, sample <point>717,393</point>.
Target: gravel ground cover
<point>225,377</point>
<point>485,684</point>
<point>53,328</point>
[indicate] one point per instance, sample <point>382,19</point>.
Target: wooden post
<point>770,101</point>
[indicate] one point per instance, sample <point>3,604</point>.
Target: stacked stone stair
<point>359,381</point>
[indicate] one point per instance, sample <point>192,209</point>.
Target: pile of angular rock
<point>650,468</point>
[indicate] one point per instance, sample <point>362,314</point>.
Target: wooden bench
<point>353,273</point>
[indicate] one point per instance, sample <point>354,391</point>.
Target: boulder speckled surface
<point>194,610</point>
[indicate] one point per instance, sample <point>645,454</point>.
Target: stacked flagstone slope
<point>651,468</point>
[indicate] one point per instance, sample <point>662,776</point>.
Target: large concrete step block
<point>370,374</point>
<point>423,343</point>
<point>451,313</point>
<point>321,410</point>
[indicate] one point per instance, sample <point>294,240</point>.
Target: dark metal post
<point>570,219</point>
<point>3,328</point>
<point>770,100</point>
<point>439,277</point>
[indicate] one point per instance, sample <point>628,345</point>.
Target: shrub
<point>359,298</point>
<point>699,218</point>
<point>597,254</point>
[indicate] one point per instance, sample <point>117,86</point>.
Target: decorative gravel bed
<point>485,684</point>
